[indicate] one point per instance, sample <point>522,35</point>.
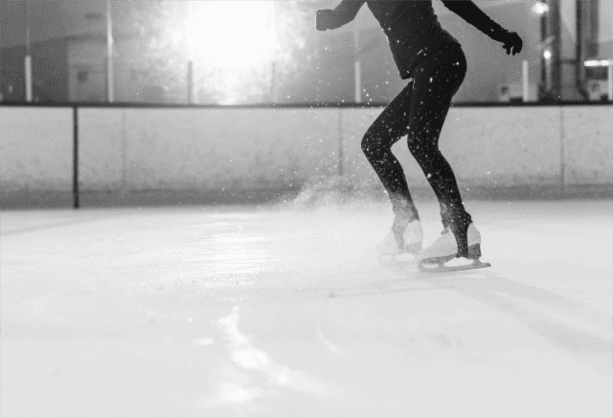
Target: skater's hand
<point>512,43</point>
<point>324,19</point>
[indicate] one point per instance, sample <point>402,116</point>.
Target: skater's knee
<point>372,145</point>
<point>419,149</point>
<point>413,145</point>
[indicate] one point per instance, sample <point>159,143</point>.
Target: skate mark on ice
<point>400,266</point>
<point>602,331</point>
<point>80,220</point>
<point>380,288</point>
<point>204,341</point>
<point>246,358</point>
<point>571,326</point>
<point>330,345</point>
<point>446,341</point>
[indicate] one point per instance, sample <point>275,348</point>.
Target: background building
<point>151,62</point>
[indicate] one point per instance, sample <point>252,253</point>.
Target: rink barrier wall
<point>119,149</point>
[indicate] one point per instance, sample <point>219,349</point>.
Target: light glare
<point>540,8</point>
<point>597,63</point>
<point>229,34</point>
<point>234,40</point>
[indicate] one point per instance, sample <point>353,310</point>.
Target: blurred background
<point>262,52</point>
<point>129,102</point>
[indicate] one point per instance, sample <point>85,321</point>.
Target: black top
<point>412,27</point>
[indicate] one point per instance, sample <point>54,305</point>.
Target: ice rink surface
<point>244,311</point>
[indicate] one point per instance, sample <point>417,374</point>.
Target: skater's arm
<point>344,13</point>
<point>471,13</point>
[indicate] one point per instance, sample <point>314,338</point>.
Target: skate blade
<point>443,268</point>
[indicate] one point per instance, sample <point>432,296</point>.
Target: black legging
<point>419,111</point>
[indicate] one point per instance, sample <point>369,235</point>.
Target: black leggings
<point>419,111</point>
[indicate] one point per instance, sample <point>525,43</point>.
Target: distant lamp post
<point>547,56</point>
<point>357,65</point>
<point>110,71</point>
<point>273,53</point>
<point>610,80</point>
<point>28,57</point>
<point>191,36</point>
<point>551,71</point>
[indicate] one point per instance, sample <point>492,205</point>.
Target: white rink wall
<point>36,149</point>
<point>179,149</point>
<point>173,149</point>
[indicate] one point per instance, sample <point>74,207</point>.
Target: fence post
<point>341,156</point>
<point>610,79</point>
<point>190,82</point>
<point>562,152</point>
<point>75,157</point>
<point>357,65</point>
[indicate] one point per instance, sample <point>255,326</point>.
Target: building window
<point>82,76</point>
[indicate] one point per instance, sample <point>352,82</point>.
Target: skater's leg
<point>377,143</point>
<point>437,79</point>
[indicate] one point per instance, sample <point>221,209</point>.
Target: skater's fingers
<point>512,49</point>
<point>517,49</point>
<point>324,19</point>
<point>519,45</point>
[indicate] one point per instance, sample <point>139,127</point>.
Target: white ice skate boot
<point>411,241</point>
<point>445,248</point>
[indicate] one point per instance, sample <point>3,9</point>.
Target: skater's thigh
<point>393,123</point>
<point>439,76</point>
<point>436,81</point>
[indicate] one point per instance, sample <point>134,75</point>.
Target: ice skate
<point>407,242</point>
<point>444,254</point>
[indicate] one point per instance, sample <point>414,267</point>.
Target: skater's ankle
<point>458,224</point>
<point>405,218</point>
<point>460,232</point>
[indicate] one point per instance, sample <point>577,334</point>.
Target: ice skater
<point>433,62</point>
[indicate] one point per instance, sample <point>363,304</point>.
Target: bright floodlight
<point>232,35</point>
<point>540,8</point>
<point>597,63</point>
<point>547,54</point>
<point>234,43</point>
